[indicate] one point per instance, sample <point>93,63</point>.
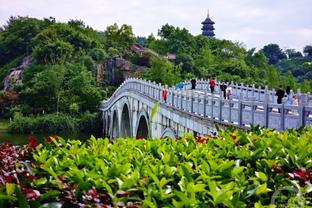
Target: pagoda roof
<point>208,21</point>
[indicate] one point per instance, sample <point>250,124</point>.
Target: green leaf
<point>262,176</point>
<point>22,203</point>
<point>237,170</point>
<point>155,108</point>
<point>6,197</point>
<point>40,181</point>
<point>262,189</point>
<point>10,187</point>
<point>49,195</point>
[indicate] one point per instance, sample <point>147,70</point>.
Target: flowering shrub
<point>231,169</point>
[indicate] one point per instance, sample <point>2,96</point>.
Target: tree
<point>274,53</point>
<point>272,77</point>
<point>118,38</point>
<point>308,50</point>
<point>292,53</point>
<point>205,61</point>
<point>53,52</point>
<point>44,89</point>
<point>16,38</point>
<point>162,71</point>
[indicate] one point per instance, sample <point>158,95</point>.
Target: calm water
<point>20,139</point>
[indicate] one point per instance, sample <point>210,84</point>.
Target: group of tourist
<point>291,98</point>
<point>227,91</point>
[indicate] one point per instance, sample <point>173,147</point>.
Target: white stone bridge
<point>127,112</point>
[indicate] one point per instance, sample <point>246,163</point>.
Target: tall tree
<point>119,38</point>
<point>308,50</point>
<point>274,53</point>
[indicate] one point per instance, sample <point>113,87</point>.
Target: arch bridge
<point>127,113</point>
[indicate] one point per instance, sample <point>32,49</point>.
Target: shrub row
<point>55,123</point>
<point>260,168</point>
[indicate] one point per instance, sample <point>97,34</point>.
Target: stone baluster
<point>191,100</point>
<point>220,107</point>
<point>205,103</point>
<point>266,107</point>
<point>253,109</point>
<point>282,114</point>
<point>253,90</point>
<point>212,103</point>
<point>160,92</point>
<point>301,110</point>
<point>240,110</point>
<point>273,96</point>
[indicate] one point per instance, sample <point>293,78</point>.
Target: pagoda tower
<point>208,27</point>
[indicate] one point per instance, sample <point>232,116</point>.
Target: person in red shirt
<point>164,95</point>
<point>212,84</point>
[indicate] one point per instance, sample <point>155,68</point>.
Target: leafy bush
<point>56,123</point>
<point>233,169</point>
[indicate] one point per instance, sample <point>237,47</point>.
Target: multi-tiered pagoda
<point>208,27</point>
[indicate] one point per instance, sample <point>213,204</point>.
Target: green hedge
<point>55,123</point>
<point>233,169</point>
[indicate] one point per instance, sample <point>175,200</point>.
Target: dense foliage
<point>203,58</point>
<point>56,123</point>
<point>63,76</point>
<point>233,169</point>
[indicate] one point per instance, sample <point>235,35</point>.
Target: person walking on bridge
<point>212,84</point>
<point>280,93</point>
<point>193,82</point>
<point>223,88</point>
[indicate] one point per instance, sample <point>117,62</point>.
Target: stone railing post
<point>172,96</point>
<point>301,110</point>
<point>182,98</point>
<point>273,96</point>
<point>266,109</point>
<point>191,99</point>
<point>252,111</point>
<point>220,109</point>
<point>160,92</point>
<point>240,109</point>
<point>212,103</point>
<point>282,117</point>
<point>253,90</point>
<point>205,99</point>
<point>154,90</point>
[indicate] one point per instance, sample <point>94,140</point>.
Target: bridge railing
<point>249,92</point>
<point>250,108</point>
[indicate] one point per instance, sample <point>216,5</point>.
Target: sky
<point>254,23</point>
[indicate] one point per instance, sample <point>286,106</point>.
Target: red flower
<point>277,168</point>
<point>48,139</point>
<point>32,142</point>
<point>32,194</point>
<point>31,177</point>
<point>9,179</point>
<point>302,174</point>
<point>233,136</point>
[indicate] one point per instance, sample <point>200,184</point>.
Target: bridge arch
<point>126,124</point>
<point>142,127</point>
<point>168,132</point>
<point>114,125</point>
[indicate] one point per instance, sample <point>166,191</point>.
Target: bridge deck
<point>247,106</point>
